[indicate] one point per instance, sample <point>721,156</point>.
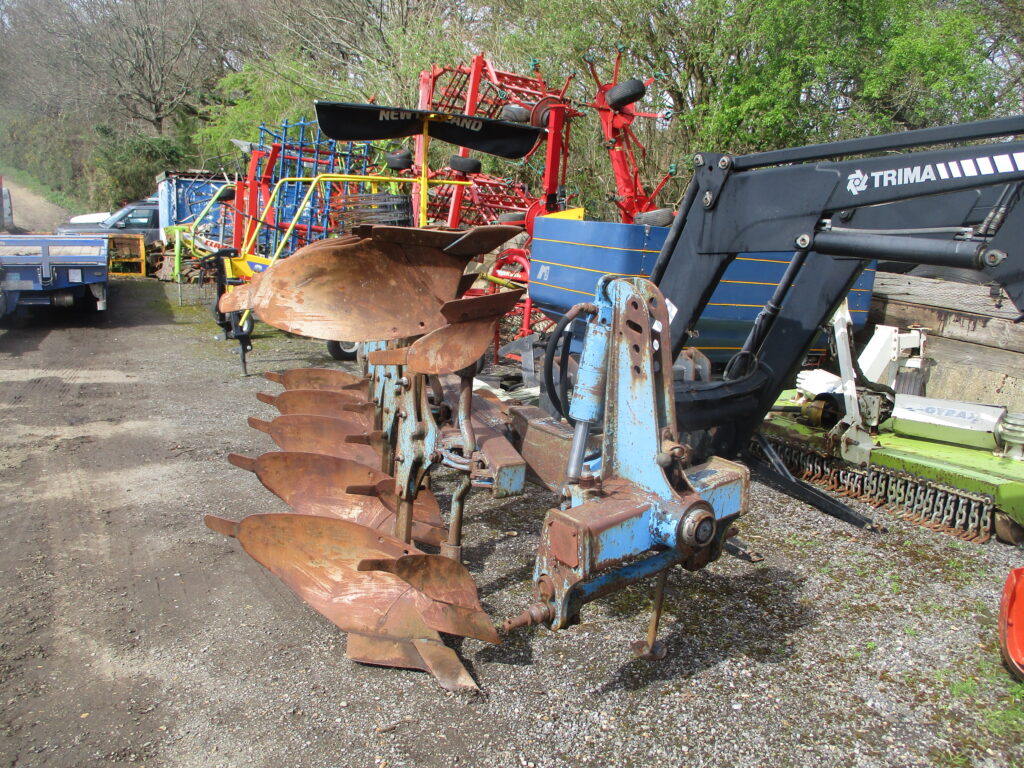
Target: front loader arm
<point>951,207</point>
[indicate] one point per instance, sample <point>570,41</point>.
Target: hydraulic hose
<point>549,360</point>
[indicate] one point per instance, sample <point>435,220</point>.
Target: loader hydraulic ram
<point>951,207</point>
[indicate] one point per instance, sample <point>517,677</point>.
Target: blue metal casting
<point>646,508</point>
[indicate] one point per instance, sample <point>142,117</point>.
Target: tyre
<point>398,161</point>
<point>221,320</point>
<point>86,303</point>
<point>244,329</point>
<point>464,164</point>
<point>660,217</point>
<point>513,113</point>
<point>625,93</point>
<point>1008,530</point>
<point>343,350</point>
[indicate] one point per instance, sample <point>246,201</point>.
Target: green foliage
<point>1009,718</point>
<point>126,166</point>
<point>787,72</point>
<point>51,150</point>
<point>738,75</point>
<point>9,172</point>
<point>263,91</point>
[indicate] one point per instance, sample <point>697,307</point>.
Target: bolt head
<point>708,199</point>
<point>697,528</point>
<point>698,161</point>
<point>724,163</point>
<point>993,257</point>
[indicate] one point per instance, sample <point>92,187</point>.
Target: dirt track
<point>31,212</point>
<point>132,635</point>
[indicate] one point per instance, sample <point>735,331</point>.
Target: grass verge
<point>54,196</point>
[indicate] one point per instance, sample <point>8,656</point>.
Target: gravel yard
<point>132,635</point>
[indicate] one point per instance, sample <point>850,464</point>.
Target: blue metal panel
<point>716,484</point>
<point>182,198</point>
<point>33,268</point>
<point>569,257</point>
<point>45,261</point>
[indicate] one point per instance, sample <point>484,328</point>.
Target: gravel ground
<point>132,635</point>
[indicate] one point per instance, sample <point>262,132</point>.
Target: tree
<point>744,75</point>
<point>142,54</point>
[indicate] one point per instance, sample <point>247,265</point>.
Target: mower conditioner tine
<point>274,376</point>
<point>222,525</point>
<point>244,462</point>
<point>266,397</point>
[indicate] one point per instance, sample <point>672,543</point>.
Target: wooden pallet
<point>977,348</point>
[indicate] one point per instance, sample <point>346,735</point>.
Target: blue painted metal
<point>587,400</point>
<point>507,481</point>
<point>569,257</point>
<point>183,197</point>
<point>713,481</point>
<point>35,270</point>
<point>306,152</point>
<point>620,578</point>
<point>418,440</point>
<point>416,432</point>
<point>640,513</point>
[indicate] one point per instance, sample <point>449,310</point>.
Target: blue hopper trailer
<point>53,271</point>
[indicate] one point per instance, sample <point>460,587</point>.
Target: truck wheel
<point>513,113</point>
<point>245,328</point>
<point>464,164</point>
<point>625,93</point>
<point>398,161</point>
<point>343,350</point>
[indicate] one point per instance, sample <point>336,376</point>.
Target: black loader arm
<point>956,207</point>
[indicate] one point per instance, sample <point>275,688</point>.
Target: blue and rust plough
<point>655,454</point>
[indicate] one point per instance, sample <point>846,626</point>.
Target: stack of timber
<point>977,349</point>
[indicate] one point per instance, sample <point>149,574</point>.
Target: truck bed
<point>52,270</point>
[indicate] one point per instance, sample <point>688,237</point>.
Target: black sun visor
<point>370,122</point>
